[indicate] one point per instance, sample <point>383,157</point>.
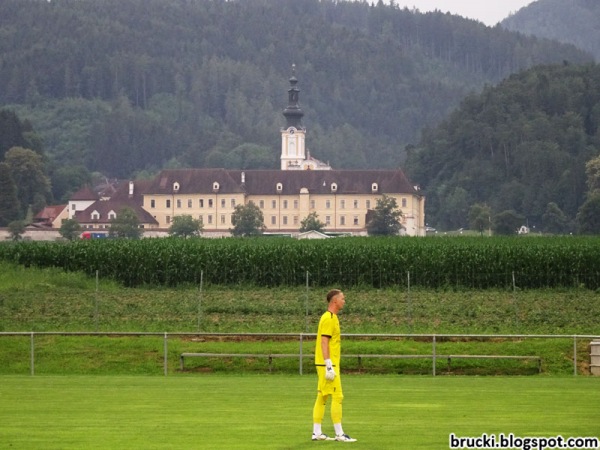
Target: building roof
<point>49,213</point>
<point>265,182</point>
<point>85,193</point>
<point>121,199</point>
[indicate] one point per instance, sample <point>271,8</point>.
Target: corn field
<point>465,262</point>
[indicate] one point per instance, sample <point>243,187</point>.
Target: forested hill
<point>574,21</point>
<point>521,146</point>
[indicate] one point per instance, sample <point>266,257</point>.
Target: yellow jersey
<point>329,325</point>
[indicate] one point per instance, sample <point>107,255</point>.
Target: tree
<point>185,226</point>
<point>16,228</point>
<point>592,170</point>
<point>28,172</point>
<point>554,220</point>
<point>125,225</point>
<point>507,222</point>
<point>480,217</point>
<point>588,216</point>
<point>247,220</point>
<point>9,202</point>
<point>70,229</point>
<point>312,223</point>
<point>385,218</point>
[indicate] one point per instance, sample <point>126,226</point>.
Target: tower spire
<point>293,113</point>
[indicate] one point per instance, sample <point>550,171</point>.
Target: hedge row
<point>469,262</point>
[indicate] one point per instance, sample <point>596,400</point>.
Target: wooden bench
<point>360,357</point>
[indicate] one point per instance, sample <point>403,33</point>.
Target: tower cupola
<point>293,113</point>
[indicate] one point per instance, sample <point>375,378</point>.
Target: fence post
<point>200,298</point>
<point>306,306</point>
<point>434,355</point>
<point>32,363</point>
<point>409,311</point>
<point>514,286</point>
<point>575,355</point>
<point>301,341</point>
<point>165,350</point>
<point>96,301</point>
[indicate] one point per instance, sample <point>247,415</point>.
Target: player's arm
<point>329,372</point>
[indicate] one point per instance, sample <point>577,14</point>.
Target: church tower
<point>294,155</point>
<point>293,136</point>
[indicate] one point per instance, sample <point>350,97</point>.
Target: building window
<point>201,203</point>
<point>112,215</point>
<point>295,204</point>
<point>273,220</point>
<point>168,203</point>
<point>223,203</point>
<point>404,202</point>
<point>261,204</point>
<point>343,204</point>
<point>222,219</point>
<point>327,204</point>
<point>285,220</point>
<point>210,203</point>
<point>295,220</point>
<point>355,220</point>
<point>327,220</point>
<point>355,204</point>
<point>179,203</point>
<point>152,203</point>
<point>210,219</point>
<point>233,202</point>
<point>285,204</point>
<point>274,204</point>
<point>312,204</point>
<point>168,220</point>
<point>201,218</point>
<point>368,204</point>
<point>342,220</point>
<point>95,215</point>
<point>189,202</point>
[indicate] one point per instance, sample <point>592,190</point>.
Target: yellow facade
<point>284,213</point>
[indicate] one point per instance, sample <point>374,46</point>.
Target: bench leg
<point>181,362</point>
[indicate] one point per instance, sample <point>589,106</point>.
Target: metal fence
<point>434,355</point>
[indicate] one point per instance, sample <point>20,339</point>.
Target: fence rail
<point>435,338</point>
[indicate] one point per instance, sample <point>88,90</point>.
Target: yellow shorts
<point>327,387</point>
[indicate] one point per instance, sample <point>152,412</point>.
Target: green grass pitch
<point>274,411</point>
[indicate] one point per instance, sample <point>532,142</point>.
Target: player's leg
<point>336,417</point>
<point>318,414</point>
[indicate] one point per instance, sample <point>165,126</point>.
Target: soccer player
<point>327,362</point>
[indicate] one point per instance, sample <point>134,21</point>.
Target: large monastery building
<point>342,199</point>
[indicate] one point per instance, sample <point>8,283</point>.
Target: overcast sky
<point>489,12</point>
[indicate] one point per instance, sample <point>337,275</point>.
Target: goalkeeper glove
<point>329,372</point>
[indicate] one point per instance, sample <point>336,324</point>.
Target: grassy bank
<point>43,300</point>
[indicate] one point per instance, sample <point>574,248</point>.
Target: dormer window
<point>374,187</point>
<point>334,187</point>
<point>112,215</point>
<point>279,187</point>
<point>216,187</point>
<point>95,215</point>
<point>176,187</point>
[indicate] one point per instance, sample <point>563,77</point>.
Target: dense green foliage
<point>384,220</point>
<point>574,22</point>
<point>377,262</point>
<point>519,146</point>
<point>124,86</point>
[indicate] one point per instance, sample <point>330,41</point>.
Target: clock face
<point>292,130</point>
